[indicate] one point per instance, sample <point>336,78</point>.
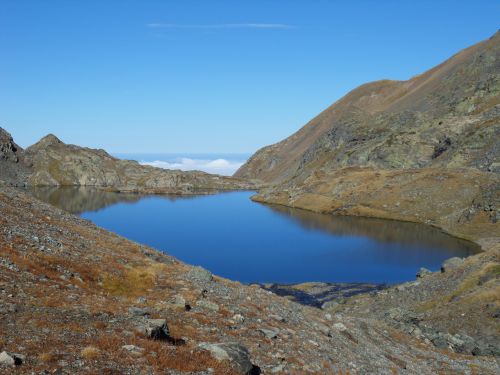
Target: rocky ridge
<point>423,150</point>
<point>50,162</point>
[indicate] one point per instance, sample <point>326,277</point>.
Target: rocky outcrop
<point>50,162</point>
<point>455,309</point>
<point>12,170</point>
<point>424,150</point>
<point>9,151</point>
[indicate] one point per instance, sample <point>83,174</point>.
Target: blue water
<point>251,242</point>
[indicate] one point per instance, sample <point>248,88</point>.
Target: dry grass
<point>90,352</point>
<point>468,290</point>
<point>49,357</point>
<point>133,282</point>
<point>161,355</point>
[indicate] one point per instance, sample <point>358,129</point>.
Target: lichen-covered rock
<point>236,353</point>
<point>199,274</point>
<point>155,328</point>
<point>451,264</point>
<point>11,359</point>
<point>423,272</point>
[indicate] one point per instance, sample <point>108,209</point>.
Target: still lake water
<point>250,242</point>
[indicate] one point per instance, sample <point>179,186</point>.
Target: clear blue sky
<point>209,76</point>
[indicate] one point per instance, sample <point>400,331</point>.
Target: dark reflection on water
<point>79,199</point>
<point>380,230</point>
<point>241,240</point>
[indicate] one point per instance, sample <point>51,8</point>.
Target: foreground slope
<point>75,299</point>
<point>51,162</point>
<point>424,150</point>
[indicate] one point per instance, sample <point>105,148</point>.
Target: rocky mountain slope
<point>424,150</point>
<point>51,162</point>
<point>77,299</point>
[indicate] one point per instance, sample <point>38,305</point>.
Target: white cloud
<point>217,166</point>
<point>221,26</point>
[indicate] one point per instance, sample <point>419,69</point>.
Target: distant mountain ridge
<point>50,162</point>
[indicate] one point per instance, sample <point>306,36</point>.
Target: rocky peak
<point>49,139</point>
<point>9,150</point>
<point>42,144</point>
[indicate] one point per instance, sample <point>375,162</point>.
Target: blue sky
<point>209,76</point>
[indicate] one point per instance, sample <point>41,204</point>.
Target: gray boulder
<point>451,264</point>
<point>208,305</point>
<point>11,359</point>
<point>234,352</point>
<point>423,272</point>
<point>329,305</point>
<point>155,328</point>
<point>270,333</point>
<point>199,274</point>
<point>138,311</point>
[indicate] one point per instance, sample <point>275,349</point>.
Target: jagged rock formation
<point>425,150</point>
<point>12,170</point>
<point>51,162</point>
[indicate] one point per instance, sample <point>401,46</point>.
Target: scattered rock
<point>238,318</point>
<point>329,305</point>
<point>451,264</point>
<point>236,353</point>
<point>155,328</point>
<point>270,333</point>
<point>11,359</point>
<point>199,274</point>
<point>138,311</point>
<point>179,301</point>
<point>340,327</point>
<point>278,368</point>
<point>141,300</point>
<point>207,305</point>
<point>423,272</point>
<point>134,350</point>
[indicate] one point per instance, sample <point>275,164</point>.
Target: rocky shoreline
<point>320,294</point>
<point>75,298</point>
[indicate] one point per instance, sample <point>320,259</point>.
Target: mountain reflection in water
<point>381,230</point>
<point>80,199</point>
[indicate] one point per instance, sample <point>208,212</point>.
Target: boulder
<point>155,328</point>
<point>329,305</point>
<point>138,311</point>
<point>179,301</point>
<point>270,333</point>
<point>423,272</point>
<point>11,359</point>
<point>207,305</point>
<point>451,264</point>
<point>234,352</point>
<point>199,274</point>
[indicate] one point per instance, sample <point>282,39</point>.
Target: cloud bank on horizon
<point>217,166</point>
